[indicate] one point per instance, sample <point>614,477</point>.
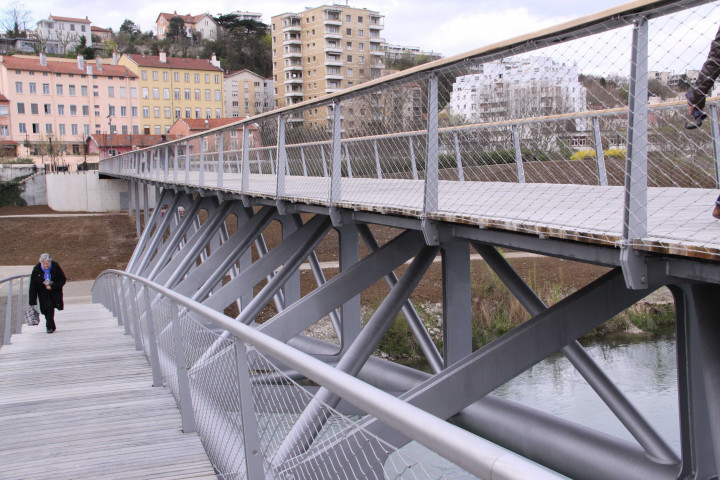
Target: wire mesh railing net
<point>333,444</point>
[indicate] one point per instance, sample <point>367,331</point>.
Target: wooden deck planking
<point>679,220</point>
<point>80,404</point>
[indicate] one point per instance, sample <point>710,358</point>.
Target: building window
<point>134,111</point>
<point>156,112</point>
<point>197,94</point>
<point>188,113</point>
<point>34,108</point>
<point>348,18</point>
<point>146,112</point>
<point>208,95</point>
<point>187,94</point>
<point>177,94</point>
<point>135,129</point>
<point>166,76</point>
<point>349,58</point>
<point>218,113</point>
<point>47,109</point>
<point>145,92</point>
<point>143,74</point>
<point>157,130</point>
<point>167,112</point>
<point>83,90</point>
<point>18,87</point>
<point>177,113</point>
<point>198,113</point>
<point>207,78</point>
<point>4,132</point>
<point>155,75</point>
<point>176,76</point>
<point>187,78</point>
<point>348,32</point>
<point>35,128</point>
<point>123,111</point>
<point>61,129</point>
<point>85,110</point>
<point>156,94</point>
<point>111,110</point>
<point>33,87</point>
<point>111,91</point>
<point>48,128</point>
<point>217,78</point>
<point>73,110</point>
<point>133,92</point>
<point>217,95</point>
<point>46,88</point>
<point>22,128</point>
<point>59,89</point>
<point>21,108</point>
<point>124,129</point>
<point>166,93</point>
<point>197,78</point>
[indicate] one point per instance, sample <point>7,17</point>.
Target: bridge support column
<point>698,337</point>
<point>349,256</point>
<point>456,301</point>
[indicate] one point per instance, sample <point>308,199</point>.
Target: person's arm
<point>59,278</point>
<point>708,74</point>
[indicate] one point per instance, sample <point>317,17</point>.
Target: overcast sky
<point>449,26</point>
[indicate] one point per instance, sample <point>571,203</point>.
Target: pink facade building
<point>56,103</point>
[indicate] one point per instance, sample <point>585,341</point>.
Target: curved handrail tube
<point>472,453</point>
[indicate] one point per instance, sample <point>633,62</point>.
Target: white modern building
<point>59,34</point>
<point>247,15</point>
<point>530,87</point>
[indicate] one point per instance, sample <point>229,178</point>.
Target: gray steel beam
<point>628,415</point>
<point>457,302</point>
<point>416,325</point>
<point>293,320</point>
<point>508,356</point>
<point>291,290</point>
<point>349,255</point>
<point>315,415</point>
<point>144,240</point>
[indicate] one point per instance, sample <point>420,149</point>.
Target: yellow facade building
<point>171,88</point>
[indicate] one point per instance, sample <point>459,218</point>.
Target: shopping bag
<point>32,317</point>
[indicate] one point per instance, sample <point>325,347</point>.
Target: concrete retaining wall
<point>10,171</point>
<point>85,192</point>
<point>34,190</point>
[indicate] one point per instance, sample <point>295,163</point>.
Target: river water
<point>643,369</point>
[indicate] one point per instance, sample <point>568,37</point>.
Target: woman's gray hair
<point>45,256</point>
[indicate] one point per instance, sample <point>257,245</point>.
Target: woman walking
<point>46,283</point>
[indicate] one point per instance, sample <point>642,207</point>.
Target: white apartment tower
<point>530,87</point>
<point>323,50</point>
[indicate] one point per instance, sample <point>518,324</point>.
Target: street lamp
<point>110,131</point>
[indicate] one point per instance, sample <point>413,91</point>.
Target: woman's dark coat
<point>52,298</point>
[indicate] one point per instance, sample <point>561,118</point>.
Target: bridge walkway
<point>80,404</point>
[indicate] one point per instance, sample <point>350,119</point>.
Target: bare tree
<point>41,43</point>
<point>14,19</point>
<point>64,39</point>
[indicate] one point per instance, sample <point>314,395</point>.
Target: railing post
<point>245,177</point>
<point>251,438</point>
<point>282,158</point>
<point>458,158</point>
<point>202,162</point>
<point>8,315</point>
<point>175,163</point>
<point>518,155</point>
<point>166,163</point>
<point>431,200</point>
<point>336,156</point>
<point>187,162</point>
<point>413,161</point>
<point>122,299</point>
<point>18,327</point>
<point>221,160</point>
<point>304,163</point>
<point>347,159</point>
<point>152,341</point>
<point>186,408</point>
<point>635,211</point>
<point>324,161</point>
<point>272,162</point>
<point>599,155</point>
<point>715,129</point>
<point>136,192</point>
<point>378,168</point>
<point>156,155</point>
<point>136,316</point>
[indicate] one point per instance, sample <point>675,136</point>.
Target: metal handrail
<point>8,312</point>
<point>474,454</point>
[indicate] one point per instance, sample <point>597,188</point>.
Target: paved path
<point>78,404</point>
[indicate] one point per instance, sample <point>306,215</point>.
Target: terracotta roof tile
<point>33,64</point>
<point>70,19</point>
<point>3,98</point>
<point>173,62</point>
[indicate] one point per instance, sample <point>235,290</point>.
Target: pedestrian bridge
<point>560,143</point>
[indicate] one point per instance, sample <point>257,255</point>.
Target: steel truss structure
<point>201,261</point>
<point>272,402</point>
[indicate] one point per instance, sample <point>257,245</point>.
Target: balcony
<point>332,36</point>
<point>294,67</point>
<point>333,49</point>
<point>377,40</point>
<point>297,80</point>
<point>293,54</point>
<point>379,53</point>
<point>295,27</point>
<point>333,62</point>
<point>292,41</point>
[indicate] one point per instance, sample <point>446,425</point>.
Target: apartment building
<point>171,88</point>
<point>8,148</point>
<point>322,50</point>
<point>61,34</point>
<point>55,103</point>
<point>203,24</point>
<point>254,16</point>
<point>244,94</point>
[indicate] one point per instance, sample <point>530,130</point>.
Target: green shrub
<point>10,194</point>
